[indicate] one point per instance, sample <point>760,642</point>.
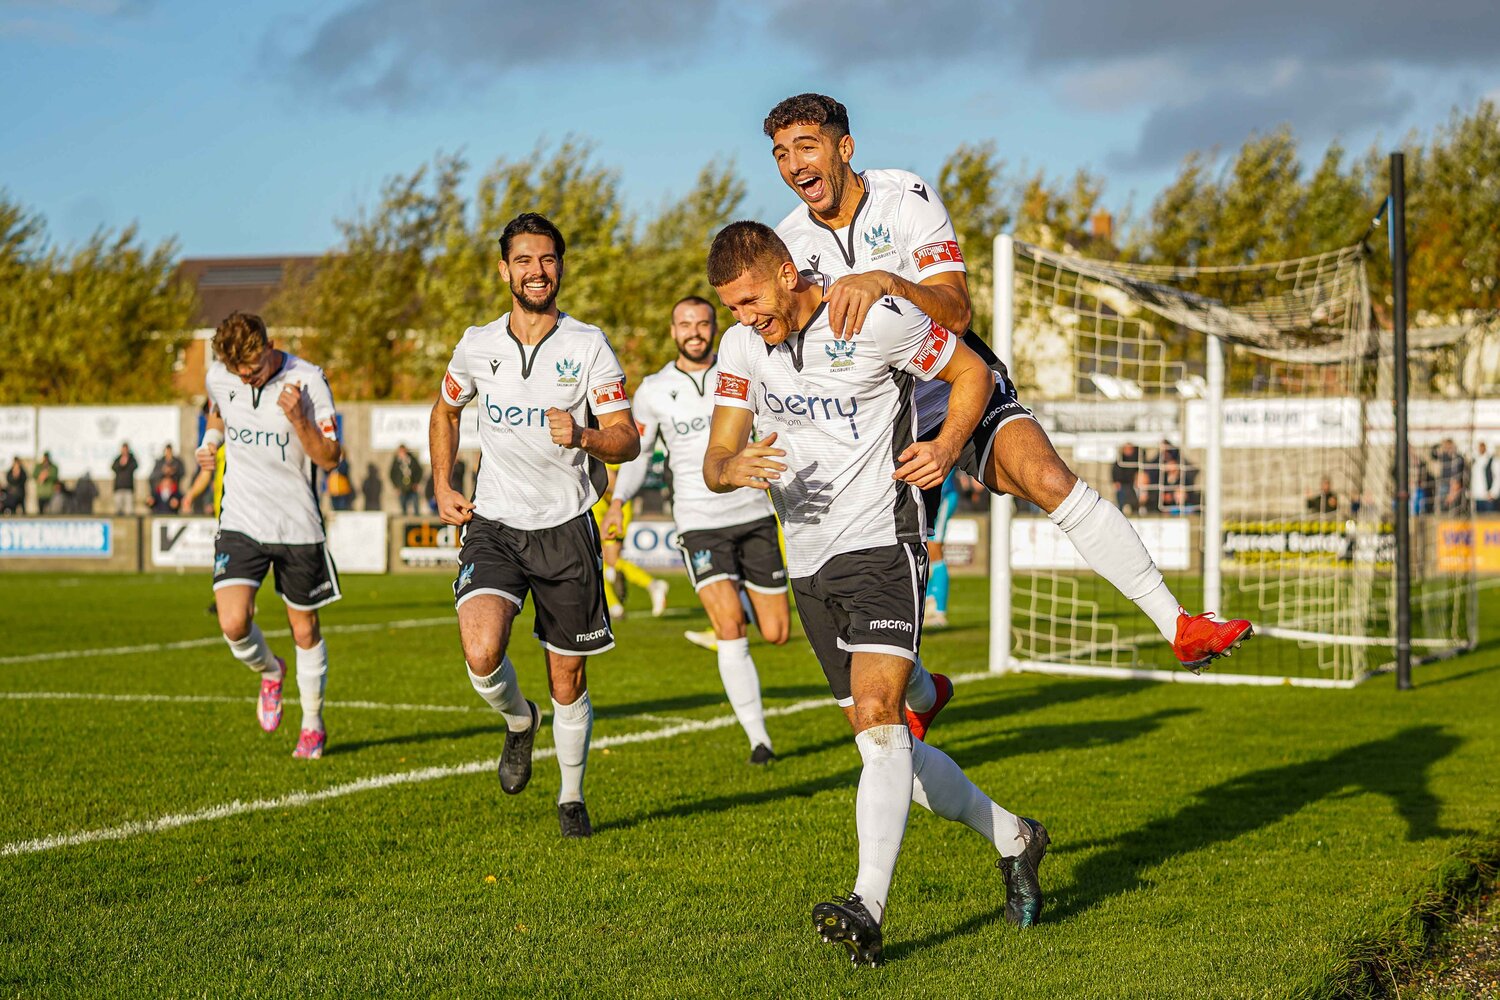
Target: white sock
<point>571,727</point>
<point>880,809</point>
<point>1113,549</point>
<point>742,685</point>
<point>253,652</point>
<point>921,691</point>
<point>941,785</point>
<point>312,674</point>
<point>503,693</point>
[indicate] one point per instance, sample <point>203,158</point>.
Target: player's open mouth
<point>812,188</point>
<point>766,325</point>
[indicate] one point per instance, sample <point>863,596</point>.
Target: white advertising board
<point>1037,543</point>
<point>186,542</point>
<point>356,540</point>
<point>87,438</point>
<point>651,543</point>
<point>392,425</point>
<point>1096,430</point>
<point>1279,423</point>
<point>54,538</point>
<point>18,434</point>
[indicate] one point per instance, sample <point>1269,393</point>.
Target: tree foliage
<point>103,321</point>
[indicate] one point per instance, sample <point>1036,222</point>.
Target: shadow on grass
<point>1395,767</point>
<point>704,699</point>
<point>496,729</point>
<point>1016,743</point>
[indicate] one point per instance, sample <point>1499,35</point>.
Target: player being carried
<point>845,474</point>
<point>885,232</point>
<point>537,375</point>
<point>273,413</point>
<point>727,542</point>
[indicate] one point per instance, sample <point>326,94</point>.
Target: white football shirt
<point>270,485</point>
<point>842,410</point>
<point>899,226</point>
<point>678,407</point>
<point>525,480</point>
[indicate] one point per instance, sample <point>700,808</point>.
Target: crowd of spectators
<point>1156,482</point>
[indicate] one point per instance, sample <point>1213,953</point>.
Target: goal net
<point>1241,417</point>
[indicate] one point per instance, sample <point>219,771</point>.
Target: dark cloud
<point>392,52</point>
<point>1332,32</point>
<point>1321,103</point>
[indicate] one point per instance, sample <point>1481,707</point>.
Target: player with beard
<point>552,411</point>
<point>728,542</point>
<point>886,232</point>
<point>845,474</point>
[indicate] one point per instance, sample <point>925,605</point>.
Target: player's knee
<point>234,624</point>
<point>483,660</point>
<point>1051,483</point>
<point>876,709</point>
<point>776,632</point>
<point>306,633</point>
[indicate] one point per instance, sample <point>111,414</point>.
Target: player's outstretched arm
<point>925,464</point>
<point>442,441</point>
<point>731,461</point>
<point>943,297</point>
<point>615,440</point>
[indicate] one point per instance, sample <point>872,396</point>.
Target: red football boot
<point>918,722</point>
<point>1201,640</point>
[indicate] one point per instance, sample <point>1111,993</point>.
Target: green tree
<point>104,321</point>
<point>976,191</point>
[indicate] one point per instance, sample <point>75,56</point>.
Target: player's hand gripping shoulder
<point>850,299</point>
<point>925,464</point>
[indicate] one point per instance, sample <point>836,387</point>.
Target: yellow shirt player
<point>617,571</point>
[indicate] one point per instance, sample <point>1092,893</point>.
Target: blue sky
<point>248,128</point>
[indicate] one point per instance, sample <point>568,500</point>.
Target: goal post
<point>1241,416</point>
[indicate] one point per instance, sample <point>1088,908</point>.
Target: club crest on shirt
<point>464,576</point>
<point>221,564</point>
<point>703,560</point>
<point>567,371</point>
<point>878,239</point>
<point>841,353</point>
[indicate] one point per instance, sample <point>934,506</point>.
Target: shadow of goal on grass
<point>1395,767</point>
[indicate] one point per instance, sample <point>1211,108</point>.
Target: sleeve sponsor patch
<point>330,428</point>
<point>451,389</point>
<point>732,386</point>
<point>942,252</point>
<point>611,393</point>
<point>931,350</point>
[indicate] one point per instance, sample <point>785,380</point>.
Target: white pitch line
<point>218,640</point>
<point>216,699</point>
<point>173,821</point>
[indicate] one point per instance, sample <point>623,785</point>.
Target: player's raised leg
<point>1022,462</point>
<point>484,625</point>
<point>235,606</point>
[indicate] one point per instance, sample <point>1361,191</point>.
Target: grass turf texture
<point>1207,841</point>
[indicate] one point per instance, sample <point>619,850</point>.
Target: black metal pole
<point>1403,456</point>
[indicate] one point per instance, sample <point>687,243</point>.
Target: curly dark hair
<point>809,109</point>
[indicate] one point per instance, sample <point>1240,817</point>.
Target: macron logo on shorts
<point>896,623</point>
<point>732,387</point>
<point>598,633</point>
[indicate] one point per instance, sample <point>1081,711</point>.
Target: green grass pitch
<point>1207,842</point>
